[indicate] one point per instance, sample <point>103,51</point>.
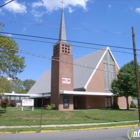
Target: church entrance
<point>108,102</point>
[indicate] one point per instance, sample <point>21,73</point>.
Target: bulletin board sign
<point>28,102</point>
<point>66,102</point>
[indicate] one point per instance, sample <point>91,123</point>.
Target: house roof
<point>83,67</point>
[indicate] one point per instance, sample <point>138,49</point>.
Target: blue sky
<point>106,22</point>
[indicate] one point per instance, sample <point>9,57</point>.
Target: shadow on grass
<point>131,109</point>
<point>91,118</point>
<point>2,112</point>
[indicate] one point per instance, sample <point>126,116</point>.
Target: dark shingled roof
<point>83,69</point>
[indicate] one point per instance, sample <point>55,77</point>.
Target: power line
<point>75,28</point>
<point>6,3</point>
<point>89,43</point>
<point>53,59</point>
<point>25,39</point>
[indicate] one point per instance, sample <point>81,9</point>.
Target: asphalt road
<point>105,134</point>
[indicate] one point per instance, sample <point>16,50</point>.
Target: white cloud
<point>37,4</point>
<point>15,7</point>
<point>137,10</point>
<point>8,35</point>
<point>37,14</point>
<point>52,5</point>
<point>70,10</point>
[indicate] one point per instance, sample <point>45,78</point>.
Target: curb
<point>52,131</point>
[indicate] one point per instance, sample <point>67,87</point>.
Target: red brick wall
<point>62,68</point>
<point>66,71</point>
<point>122,102</point>
<point>95,102</point>
<point>96,83</point>
<point>61,107</point>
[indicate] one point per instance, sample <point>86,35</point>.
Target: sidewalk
<point>70,125</point>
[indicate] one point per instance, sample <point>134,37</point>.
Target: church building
<point>84,83</point>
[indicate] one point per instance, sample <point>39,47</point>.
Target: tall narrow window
<point>109,70</point>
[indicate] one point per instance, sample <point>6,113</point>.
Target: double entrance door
<point>108,102</point>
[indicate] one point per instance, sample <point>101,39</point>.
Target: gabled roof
<point>43,85</point>
<point>82,74</point>
<point>83,68</point>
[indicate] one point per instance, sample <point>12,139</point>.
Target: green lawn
<point>14,116</point>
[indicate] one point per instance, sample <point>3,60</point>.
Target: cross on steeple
<point>62,1</point>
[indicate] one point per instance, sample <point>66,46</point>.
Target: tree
<point>11,63</point>
<point>125,84</point>
<point>28,83</point>
<point>5,85</point>
<point>17,86</point>
<point>5,103</point>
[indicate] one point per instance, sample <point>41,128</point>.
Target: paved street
<point>105,134</point>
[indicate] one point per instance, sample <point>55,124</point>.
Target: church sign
<point>66,81</point>
<point>28,102</point>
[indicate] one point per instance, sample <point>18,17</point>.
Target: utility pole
<point>136,71</point>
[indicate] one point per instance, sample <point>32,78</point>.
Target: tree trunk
<point>127,103</point>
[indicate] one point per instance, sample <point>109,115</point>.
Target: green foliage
<point>115,105</point>
<point>5,85</point>
<point>28,83</point>
<point>125,84</point>
<point>4,103</point>
<point>50,107</point>
<point>17,86</point>
<point>53,106</point>
<point>10,62</point>
<point>1,94</point>
<point>132,105</point>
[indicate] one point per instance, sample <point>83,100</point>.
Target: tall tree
<point>17,86</point>
<point>11,63</point>
<point>125,84</point>
<point>5,85</point>
<point>28,83</point>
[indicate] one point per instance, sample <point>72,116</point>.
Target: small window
<point>12,97</point>
<point>17,98</point>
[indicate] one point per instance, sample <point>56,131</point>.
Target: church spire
<point>62,32</point>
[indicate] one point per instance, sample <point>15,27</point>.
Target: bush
<point>132,105</point>
<point>4,103</point>
<point>115,105</point>
<point>13,104</point>
<point>50,107</point>
<point>53,106</point>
